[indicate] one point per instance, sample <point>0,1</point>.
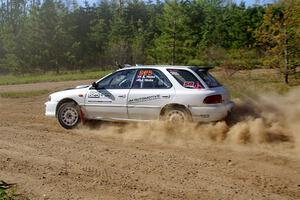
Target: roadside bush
<point>197,62</point>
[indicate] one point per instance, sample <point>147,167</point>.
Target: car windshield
<point>210,81</point>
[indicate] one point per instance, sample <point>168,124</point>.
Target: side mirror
<point>94,85</point>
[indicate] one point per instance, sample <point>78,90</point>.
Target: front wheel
<point>69,115</point>
<point>177,115</point>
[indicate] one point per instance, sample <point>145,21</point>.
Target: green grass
<point>10,194</point>
<point>25,94</point>
<point>255,82</point>
<point>241,83</point>
<point>52,77</point>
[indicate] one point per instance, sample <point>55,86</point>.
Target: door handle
<point>166,96</point>
<point>122,96</point>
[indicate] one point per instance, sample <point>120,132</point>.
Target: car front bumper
<point>211,113</point>
<point>50,110</point>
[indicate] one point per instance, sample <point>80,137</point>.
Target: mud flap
<point>82,116</point>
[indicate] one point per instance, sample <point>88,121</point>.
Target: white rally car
<point>141,93</point>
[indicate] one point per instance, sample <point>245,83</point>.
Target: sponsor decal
<point>144,99</point>
<point>99,101</point>
<point>144,80</point>
<point>191,84</point>
<point>96,94</point>
<point>145,76</point>
<point>148,80</point>
<point>146,73</point>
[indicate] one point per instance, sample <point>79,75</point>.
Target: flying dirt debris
<point>271,118</point>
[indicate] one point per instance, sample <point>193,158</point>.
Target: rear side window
<point>210,81</point>
<point>186,78</point>
<point>151,79</point>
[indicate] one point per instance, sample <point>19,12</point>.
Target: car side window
<point>210,81</point>
<point>119,80</point>
<point>151,79</point>
<point>186,78</point>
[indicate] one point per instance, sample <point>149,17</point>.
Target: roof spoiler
<point>205,68</point>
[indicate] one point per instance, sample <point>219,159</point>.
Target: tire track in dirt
<point>49,162</point>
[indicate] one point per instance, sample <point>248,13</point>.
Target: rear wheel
<point>69,115</point>
<point>177,115</point>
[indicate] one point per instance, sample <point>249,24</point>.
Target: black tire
<point>68,115</point>
<point>177,115</point>
<point>229,119</point>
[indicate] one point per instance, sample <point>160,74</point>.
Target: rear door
<point>151,90</point>
<point>109,99</point>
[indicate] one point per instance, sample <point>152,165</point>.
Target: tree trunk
<point>174,43</point>
<point>286,60</point>
<point>7,9</point>
<point>57,67</point>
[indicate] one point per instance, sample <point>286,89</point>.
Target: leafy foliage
<point>39,36</point>
<point>279,35</point>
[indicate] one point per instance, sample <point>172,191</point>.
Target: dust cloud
<point>264,118</point>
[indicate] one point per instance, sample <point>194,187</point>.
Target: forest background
<point>52,35</point>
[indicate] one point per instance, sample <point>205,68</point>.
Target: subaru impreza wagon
<point>142,93</point>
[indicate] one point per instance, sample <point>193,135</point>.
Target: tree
<point>82,19</point>
<point>278,34</point>
<point>54,34</point>
<point>120,35</point>
<point>173,45</point>
<point>11,36</point>
<point>99,32</point>
<point>56,45</point>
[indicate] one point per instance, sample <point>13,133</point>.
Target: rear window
<point>186,78</point>
<point>210,81</point>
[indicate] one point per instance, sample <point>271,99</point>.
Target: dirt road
<point>111,161</point>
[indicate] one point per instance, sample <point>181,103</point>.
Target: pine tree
<point>172,46</point>
<point>278,34</point>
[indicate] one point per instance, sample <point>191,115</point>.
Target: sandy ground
<point>43,86</point>
<point>106,162</point>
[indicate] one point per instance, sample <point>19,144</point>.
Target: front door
<point>109,99</point>
<point>151,90</point>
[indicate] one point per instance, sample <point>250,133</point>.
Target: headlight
<point>49,98</point>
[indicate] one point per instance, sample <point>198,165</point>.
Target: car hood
<point>78,87</point>
<point>73,93</point>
